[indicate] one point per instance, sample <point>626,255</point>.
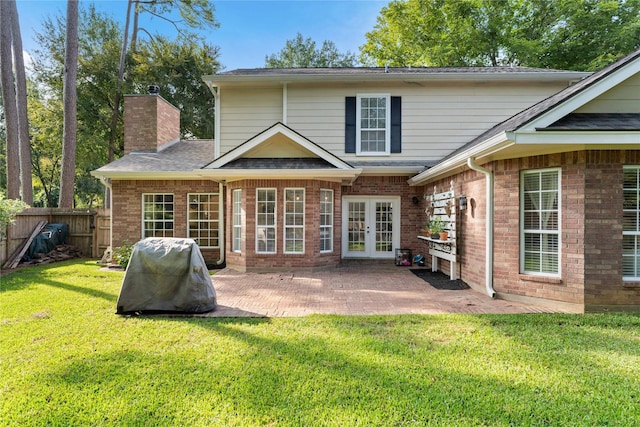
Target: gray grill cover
<point>166,274</point>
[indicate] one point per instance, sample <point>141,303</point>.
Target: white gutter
<point>221,236</point>
<point>488,268</point>
<point>107,183</point>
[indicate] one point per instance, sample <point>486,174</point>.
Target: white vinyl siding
<point>203,219</point>
<point>540,221</point>
<point>631,224</point>
<point>373,124</point>
<point>266,220</point>
<point>326,221</point>
<point>236,218</point>
<point>157,215</point>
<point>294,220</point>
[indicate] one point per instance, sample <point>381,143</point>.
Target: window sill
<point>631,285</point>
<point>541,279</point>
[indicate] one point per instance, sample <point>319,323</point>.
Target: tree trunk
<point>116,101</point>
<point>67,175</point>
<point>26,181</point>
<point>9,103</point>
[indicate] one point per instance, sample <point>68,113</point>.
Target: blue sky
<point>249,29</point>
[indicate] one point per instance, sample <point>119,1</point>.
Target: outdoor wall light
<point>462,202</point>
<point>415,200</point>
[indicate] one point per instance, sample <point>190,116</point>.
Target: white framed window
<point>631,224</point>
<point>294,220</point>
<point>236,219</point>
<point>373,124</point>
<point>157,215</point>
<point>266,220</point>
<point>540,221</point>
<point>203,219</point>
<point>326,220</point>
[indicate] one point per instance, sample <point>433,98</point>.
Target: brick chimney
<point>149,122</point>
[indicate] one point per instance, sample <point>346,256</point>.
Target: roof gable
<point>278,141</point>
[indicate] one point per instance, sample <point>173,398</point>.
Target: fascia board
<point>492,145</point>
<point>578,137</point>
<point>234,80</point>
<point>117,175</point>
<point>585,96</point>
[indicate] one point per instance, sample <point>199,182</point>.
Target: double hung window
<point>203,219</point>
<point>373,119</point>
<point>326,220</point>
<point>540,219</point>
<point>236,234</point>
<point>294,220</point>
<point>631,224</point>
<point>157,215</point>
<point>266,220</point>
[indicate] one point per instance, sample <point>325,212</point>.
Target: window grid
<point>203,219</point>
<point>326,220</point>
<point>294,220</point>
<point>157,215</point>
<point>236,238</point>
<point>631,224</point>
<point>540,214</point>
<point>266,220</point>
<point>373,118</point>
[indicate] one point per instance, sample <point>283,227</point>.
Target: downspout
<point>107,183</point>
<point>221,212</point>
<point>488,268</point>
<point>216,117</point>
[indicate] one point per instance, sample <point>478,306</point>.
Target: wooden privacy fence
<point>88,229</point>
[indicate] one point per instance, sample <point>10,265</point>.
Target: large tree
<point>303,53</point>
<point>177,66</point>
<point>69,99</point>
<point>568,34</point>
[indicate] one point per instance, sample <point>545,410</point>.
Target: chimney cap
<point>153,89</point>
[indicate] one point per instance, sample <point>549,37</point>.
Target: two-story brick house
<point>314,166</point>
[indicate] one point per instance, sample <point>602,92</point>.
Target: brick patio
<point>348,290</point>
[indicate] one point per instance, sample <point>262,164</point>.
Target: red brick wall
<point>591,239</point>
<point>249,260</point>
<point>149,122</point>
<point>127,208</point>
<point>413,217</point>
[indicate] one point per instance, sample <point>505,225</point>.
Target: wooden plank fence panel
<point>81,226</point>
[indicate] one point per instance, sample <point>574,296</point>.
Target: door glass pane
<point>384,227</point>
<point>356,227</point>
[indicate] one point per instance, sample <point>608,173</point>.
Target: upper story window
<point>373,124</point>
<point>157,215</point>
<point>540,221</point>
<point>203,219</point>
<point>631,224</point>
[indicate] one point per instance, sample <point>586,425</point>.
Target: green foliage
<point>436,225</point>
<point>9,208</point>
<point>302,53</point>
<point>122,254</point>
<point>68,360</point>
<point>568,34</point>
<point>177,66</point>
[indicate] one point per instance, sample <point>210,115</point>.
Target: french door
<point>370,226</point>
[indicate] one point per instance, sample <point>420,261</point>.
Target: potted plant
<point>437,228</point>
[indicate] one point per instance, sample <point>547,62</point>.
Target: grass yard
<point>66,359</point>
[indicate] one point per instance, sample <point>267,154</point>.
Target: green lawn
<point>66,359</point>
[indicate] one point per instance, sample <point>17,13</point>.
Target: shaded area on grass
<point>439,280</point>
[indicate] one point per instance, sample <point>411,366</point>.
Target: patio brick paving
<point>349,290</point>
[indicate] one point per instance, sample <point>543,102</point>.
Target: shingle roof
<point>181,156</point>
<point>279,163</point>
<point>547,104</point>
<point>597,121</point>
<point>381,70</point>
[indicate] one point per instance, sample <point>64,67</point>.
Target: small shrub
<point>9,208</point>
<point>122,254</point>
